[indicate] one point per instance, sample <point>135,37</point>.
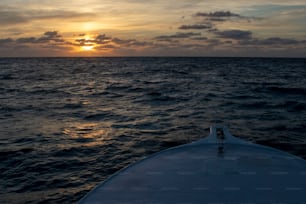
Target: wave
<point>68,123</point>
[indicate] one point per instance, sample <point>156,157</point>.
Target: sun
<point>87,47</point>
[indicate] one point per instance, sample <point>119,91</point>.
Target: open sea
<point>66,124</point>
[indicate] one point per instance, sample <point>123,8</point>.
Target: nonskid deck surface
<point>218,169</point>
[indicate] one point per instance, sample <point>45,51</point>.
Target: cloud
<point>12,16</point>
<point>273,41</point>
<point>234,34</point>
<point>130,42</point>
<point>83,41</point>
<point>221,16</point>
<point>278,40</point>
<point>121,41</point>
<point>229,41</point>
<point>217,19</point>
<point>167,40</point>
<point>106,47</point>
<point>52,34</point>
<point>6,41</point>
<point>177,36</point>
<point>102,39</point>
<point>195,27</point>
<point>26,40</point>
<point>213,42</point>
<point>49,44</point>
<point>99,39</point>
<point>64,14</point>
<point>217,14</point>
<point>141,43</point>
<point>46,39</point>
<point>200,38</point>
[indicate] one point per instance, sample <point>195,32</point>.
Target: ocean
<point>66,124</point>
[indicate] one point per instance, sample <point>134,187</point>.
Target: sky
<point>240,28</point>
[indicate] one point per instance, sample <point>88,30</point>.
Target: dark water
<point>68,123</point>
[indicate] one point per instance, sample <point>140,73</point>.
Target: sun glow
<point>87,47</point>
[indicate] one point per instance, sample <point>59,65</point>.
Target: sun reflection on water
<point>90,133</point>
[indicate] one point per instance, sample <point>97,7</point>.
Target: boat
<point>220,168</point>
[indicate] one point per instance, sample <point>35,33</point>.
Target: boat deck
<point>217,169</point>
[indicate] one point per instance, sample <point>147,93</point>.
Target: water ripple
<point>69,123</point>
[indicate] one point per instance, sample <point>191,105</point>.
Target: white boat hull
<point>217,169</point>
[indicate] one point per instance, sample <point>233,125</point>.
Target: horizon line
<point>157,56</point>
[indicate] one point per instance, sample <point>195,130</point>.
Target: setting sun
<point>87,48</point>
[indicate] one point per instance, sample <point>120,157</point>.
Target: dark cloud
<point>195,27</point>
<point>110,46</point>
<point>177,36</point>
<point>52,34</point>
<point>105,42</point>
<point>106,47</point>
<point>277,40</point>
<point>141,43</point>
<point>100,39</point>
<point>47,37</point>
<point>213,41</point>
<point>272,41</point>
<point>217,19</point>
<point>116,43</point>
<point>49,44</point>
<point>200,38</point>
<point>131,42</point>
<point>81,40</point>
<point>26,40</point>
<point>167,40</point>
<point>220,16</point>
<point>121,41</point>
<point>6,41</point>
<point>234,34</point>
<point>217,14</point>
<point>181,42</point>
<point>228,42</point>
<point>213,30</point>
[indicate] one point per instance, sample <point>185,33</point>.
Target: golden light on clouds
<point>89,26</point>
<point>86,43</point>
<point>168,28</point>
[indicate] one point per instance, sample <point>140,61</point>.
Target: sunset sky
<point>273,28</point>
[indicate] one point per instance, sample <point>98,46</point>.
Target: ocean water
<point>66,124</point>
